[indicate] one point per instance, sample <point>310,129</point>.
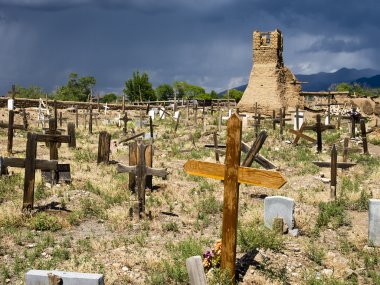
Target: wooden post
<point>216,146</point>
<point>318,127</point>
<point>187,112</point>
<point>231,195</point>
<point>282,124</point>
<point>274,119</point>
<point>195,115</point>
<point>334,160</point>
<point>90,120</point>
<point>53,145</point>
<point>364,136</point>
<point>11,116</point>
<point>297,118</point>
<point>76,117</point>
<point>151,127</point>
<point>177,122</point>
<point>29,178</point>
<point>345,149</point>
<point>132,161</point>
<point>24,119</point>
<point>123,104</point>
<point>219,121</point>
<point>71,133</point>
<point>149,163</point>
<point>125,120</point>
<point>97,101</point>
<point>60,119</point>
<point>104,147</point>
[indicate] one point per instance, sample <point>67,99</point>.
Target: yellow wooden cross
<point>233,174</point>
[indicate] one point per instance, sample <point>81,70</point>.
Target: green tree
<point>32,92</point>
<point>233,94</point>
<point>108,98</point>
<point>138,88</point>
<point>164,92</point>
<point>213,94</point>
<point>76,89</point>
<point>187,91</point>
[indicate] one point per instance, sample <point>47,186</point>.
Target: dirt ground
<point>85,226</point>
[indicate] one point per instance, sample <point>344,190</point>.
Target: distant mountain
<point>322,81</point>
<point>371,82</point>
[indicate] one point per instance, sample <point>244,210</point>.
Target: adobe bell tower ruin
<point>271,84</point>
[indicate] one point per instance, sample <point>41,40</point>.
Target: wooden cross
<point>104,147</point>
<point>364,136</point>
<point>252,152</point>
<point>30,164</point>
<point>11,127</point>
<point>319,128</point>
<point>334,165</point>
<point>125,121</point>
<point>299,134</point>
<point>279,120</point>
<point>53,140</point>
<point>140,171</point>
<point>354,117</point>
<point>232,174</point>
<point>328,105</point>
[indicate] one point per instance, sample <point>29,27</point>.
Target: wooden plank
<point>132,162</point>
<point>255,149</point>
<point>195,271</point>
<point>11,115</point>
<point>104,147</point>
<point>121,168</point>
<point>29,177</point>
<point>364,136</point>
<point>334,159</point>
<point>299,135</point>
<point>231,195</point>
<point>343,165</point>
<point>253,176</point>
<point>215,136</point>
<point>132,137</point>
<point>149,163</point>
<point>53,138</point>
<point>71,134</point>
<point>39,164</point>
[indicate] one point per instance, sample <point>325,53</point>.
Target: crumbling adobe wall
<point>271,84</point>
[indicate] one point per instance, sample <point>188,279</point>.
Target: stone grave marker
<point>374,222</point>
<point>279,207</point>
<point>54,277</point>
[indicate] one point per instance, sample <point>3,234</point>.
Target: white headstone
<point>176,114</point>
<point>10,104</point>
<point>327,120</point>
<point>374,222</point>
<point>105,109</point>
<point>151,114</point>
<point>279,207</point>
<point>40,277</point>
<point>300,120</point>
<point>244,122</point>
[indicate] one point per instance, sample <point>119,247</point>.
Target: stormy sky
<point>203,42</point>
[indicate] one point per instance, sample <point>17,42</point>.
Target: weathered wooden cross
<point>280,120</point>
<point>334,165</point>
<point>53,139</point>
<point>232,174</point>
<point>11,127</point>
<point>354,117</point>
<point>141,171</point>
<point>30,164</point>
<point>318,128</point>
<point>299,134</point>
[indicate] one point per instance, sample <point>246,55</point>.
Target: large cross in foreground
<point>232,174</point>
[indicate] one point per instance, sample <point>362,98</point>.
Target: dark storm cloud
<point>203,42</point>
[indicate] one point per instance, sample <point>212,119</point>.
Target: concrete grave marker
<point>151,114</point>
<point>41,277</point>
<point>176,114</point>
<point>279,207</point>
<point>374,222</point>
<point>300,120</point>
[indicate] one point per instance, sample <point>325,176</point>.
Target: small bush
<point>254,236</point>
<point>315,253</point>
<point>44,222</point>
<point>170,227</point>
<point>333,213</point>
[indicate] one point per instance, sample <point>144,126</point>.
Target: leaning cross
<point>299,134</point>
<point>232,174</point>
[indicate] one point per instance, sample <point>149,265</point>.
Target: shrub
<point>44,222</point>
<point>254,236</point>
